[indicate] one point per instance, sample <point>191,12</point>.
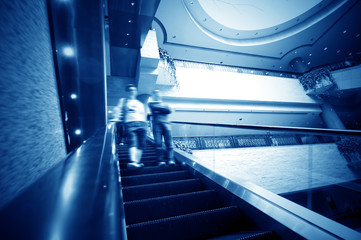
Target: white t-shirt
<point>134,111</point>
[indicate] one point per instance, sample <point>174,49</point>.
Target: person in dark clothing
<point>161,128</point>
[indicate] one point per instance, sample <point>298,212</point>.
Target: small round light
<point>77,131</point>
<point>73,96</point>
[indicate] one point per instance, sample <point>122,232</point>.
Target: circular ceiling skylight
<point>255,14</point>
<point>256,22</point>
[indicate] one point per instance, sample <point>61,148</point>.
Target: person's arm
<point>161,108</point>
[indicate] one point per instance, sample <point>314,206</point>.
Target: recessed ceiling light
<point>295,52</point>
<point>325,48</point>
<point>126,44</point>
<point>310,54</point>
<point>344,31</point>
<point>128,34</point>
<point>280,66</point>
<point>68,51</point>
<point>350,53</point>
<point>338,51</point>
<point>132,3</point>
<point>129,21</point>
<point>309,63</point>
<point>357,35</point>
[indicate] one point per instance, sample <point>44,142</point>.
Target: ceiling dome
<point>254,22</point>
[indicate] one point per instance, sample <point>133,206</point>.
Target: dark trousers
<point>120,132</point>
<point>160,130</point>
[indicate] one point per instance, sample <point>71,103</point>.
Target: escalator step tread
<point>161,189</point>
<point>245,235</point>
<point>149,170</point>
<point>199,225</point>
<point>155,178</point>
<point>168,206</point>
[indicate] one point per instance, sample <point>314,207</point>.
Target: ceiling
<point>288,36</point>
<point>281,35</point>
<point>285,36</point>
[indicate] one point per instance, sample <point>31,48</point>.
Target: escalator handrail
<point>300,220</point>
<point>300,130</point>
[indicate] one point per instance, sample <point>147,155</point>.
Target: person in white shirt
<point>134,118</point>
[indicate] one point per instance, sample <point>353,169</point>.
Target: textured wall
<point>32,138</point>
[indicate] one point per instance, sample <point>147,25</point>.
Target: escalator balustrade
<point>168,202</point>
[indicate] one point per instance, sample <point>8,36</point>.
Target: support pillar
<point>148,64</point>
<point>330,117</point>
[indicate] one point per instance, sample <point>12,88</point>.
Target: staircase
<point>167,202</point>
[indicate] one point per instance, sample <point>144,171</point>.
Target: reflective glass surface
<point>319,169</point>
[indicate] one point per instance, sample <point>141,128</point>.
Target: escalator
<point>169,202</point>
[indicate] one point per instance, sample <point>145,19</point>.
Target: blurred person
<point>118,118</point>
<point>134,119</point>
<point>161,128</point>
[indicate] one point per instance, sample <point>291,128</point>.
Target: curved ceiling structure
<point>254,23</point>
<point>267,35</point>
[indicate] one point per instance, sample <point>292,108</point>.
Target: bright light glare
<point>68,51</point>
<point>73,96</point>
<point>78,132</point>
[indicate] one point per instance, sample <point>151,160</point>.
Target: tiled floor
<point>281,169</point>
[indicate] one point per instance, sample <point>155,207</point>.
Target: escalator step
<point>245,235</point>
<point>155,178</point>
<point>161,189</point>
<point>147,170</point>
<point>200,225</point>
<point>144,158</point>
<point>126,153</point>
<point>123,165</point>
<point>168,206</point>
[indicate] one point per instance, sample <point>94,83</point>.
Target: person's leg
<point>118,127</point>
<point>133,156</point>
<point>142,135</point>
<point>157,131</point>
<point>168,141</point>
<point>133,151</point>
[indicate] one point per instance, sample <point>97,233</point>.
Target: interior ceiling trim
<point>158,25</point>
<point>249,38</point>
